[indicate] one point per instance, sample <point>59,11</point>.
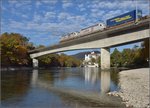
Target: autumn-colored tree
<point>62,58</point>
<point>14,49</point>
<point>55,60</point>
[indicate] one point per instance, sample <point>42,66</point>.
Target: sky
<point>45,21</point>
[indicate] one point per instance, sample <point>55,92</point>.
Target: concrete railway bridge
<point>115,36</point>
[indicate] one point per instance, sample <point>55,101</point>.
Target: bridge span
<point>120,35</point>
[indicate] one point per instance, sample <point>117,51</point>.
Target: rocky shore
<point>134,88</point>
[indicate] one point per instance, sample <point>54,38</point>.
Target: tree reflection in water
<point>14,84</point>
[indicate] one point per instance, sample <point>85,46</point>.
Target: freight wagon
<point>99,26</point>
<point>113,22</point>
<point>127,17</point>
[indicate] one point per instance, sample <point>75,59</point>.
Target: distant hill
<point>81,55</point>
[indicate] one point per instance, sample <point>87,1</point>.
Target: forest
<point>15,47</point>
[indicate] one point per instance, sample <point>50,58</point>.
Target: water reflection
<point>91,74</point>
<point>34,77</point>
<point>105,81</point>
<point>23,85</point>
<point>48,76</point>
<point>14,84</point>
<point>95,80</point>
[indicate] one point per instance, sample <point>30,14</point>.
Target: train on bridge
<point>130,17</point>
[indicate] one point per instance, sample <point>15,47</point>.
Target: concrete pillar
<point>35,63</point>
<point>105,58</point>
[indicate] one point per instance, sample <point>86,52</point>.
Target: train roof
<point>92,26</point>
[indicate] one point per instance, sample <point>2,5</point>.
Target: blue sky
<point>45,21</point>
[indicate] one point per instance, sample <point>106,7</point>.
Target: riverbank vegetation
<point>15,47</point>
<point>14,52</point>
<point>58,60</point>
<point>138,56</point>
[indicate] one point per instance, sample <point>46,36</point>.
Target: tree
<point>145,49</point>
<point>93,60</point>
<point>99,60</point>
<point>116,58</point>
<point>127,57</point>
<point>14,49</point>
<point>62,58</point>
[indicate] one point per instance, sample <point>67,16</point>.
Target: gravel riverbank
<point>134,88</point>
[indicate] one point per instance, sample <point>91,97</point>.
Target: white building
<point>91,60</point>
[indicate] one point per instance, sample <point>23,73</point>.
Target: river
<point>23,88</point>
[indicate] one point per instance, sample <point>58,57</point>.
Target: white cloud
<point>94,10</point>
<point>36,17</point>
<point>15,24</point>
<point>12,2</point>
<point>25,16</point>
<point>3,8</point>
<point>63,15</point>
<point>19,3</point>
<point>18,7</point>
<point>56,29</point>
<point>38,3</point>
<point>118,4</point>
<point>111,14</point>
<point>50,15</point>
<point>67,4</point>
<point>51,2</point>
<point>81,7</point>
<point>98,14</point>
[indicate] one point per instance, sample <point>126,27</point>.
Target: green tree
<point>93,60</point>
<point>116,58</point>
<point>99,61</point>
<point>145,51</point>
<point>128,57</point>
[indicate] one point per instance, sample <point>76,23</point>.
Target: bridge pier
<point>105,58</point>
<point>35,63</point>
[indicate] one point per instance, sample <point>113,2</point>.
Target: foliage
<point>116,58</point>
<point>61,60</point>
<point>93,60</point>
<point>14,49</point>
<point>135,57</point>
<point>99,60</point>
<point>145,49</point>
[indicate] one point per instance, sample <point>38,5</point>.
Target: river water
<point>22,88</point>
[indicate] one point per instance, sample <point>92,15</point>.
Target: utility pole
<point>149,32</point>
<point>136,10</point>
